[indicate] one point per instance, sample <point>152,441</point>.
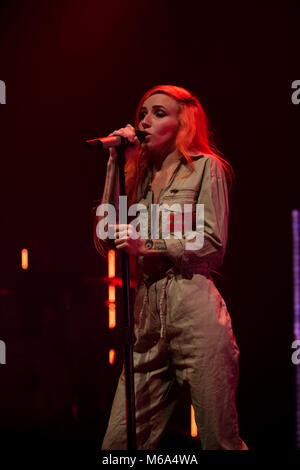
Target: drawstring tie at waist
<point>187,272</point>
<point>163,312</point>
<point>162,308</point>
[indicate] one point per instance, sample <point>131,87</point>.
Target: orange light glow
<point>24,258</point>
<point>194,429</point>
<point>112,355</point>
<point>111,263</point>
<point>111,293</point>
<point>111,289</point>
<point>111,316</point>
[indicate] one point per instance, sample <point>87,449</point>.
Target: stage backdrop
<point>73,70</point>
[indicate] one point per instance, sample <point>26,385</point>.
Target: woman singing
<point>182,327</point>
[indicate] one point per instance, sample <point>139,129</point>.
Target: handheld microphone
<point>115,140</point>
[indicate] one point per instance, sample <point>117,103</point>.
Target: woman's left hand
<point>127,239</point>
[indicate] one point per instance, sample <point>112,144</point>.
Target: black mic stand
<point>128,321</point>
<point>128,316</point>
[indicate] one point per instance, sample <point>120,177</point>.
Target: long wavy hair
<point>194,136</point>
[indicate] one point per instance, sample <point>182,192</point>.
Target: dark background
<point>76,70</point>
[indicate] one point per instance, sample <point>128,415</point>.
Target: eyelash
<point>162,114</point>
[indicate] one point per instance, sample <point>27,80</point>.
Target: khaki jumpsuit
<point>182,326</point>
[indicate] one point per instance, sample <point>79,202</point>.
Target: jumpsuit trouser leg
<point>154,382</point>
<point>199,349</point>
<point>206,356</point>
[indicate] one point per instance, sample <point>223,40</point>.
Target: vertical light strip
<point>194,429</point>
<point>111,293</point>
<point>24,258</point>
<point>111,289</point>
<point>111,264</point>
<point>112,355</point>
<point>296,281</point>
<point>111,316</point>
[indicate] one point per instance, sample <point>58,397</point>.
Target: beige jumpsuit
<point>182,326</point>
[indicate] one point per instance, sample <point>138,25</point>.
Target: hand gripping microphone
<point>115,140</point>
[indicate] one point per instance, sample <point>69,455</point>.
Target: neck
<point>162,161</point>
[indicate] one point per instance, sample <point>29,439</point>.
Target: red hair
<point>193,135</point>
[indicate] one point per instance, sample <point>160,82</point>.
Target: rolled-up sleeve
<point>213,194</point>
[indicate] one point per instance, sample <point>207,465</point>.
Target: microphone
<point>115,140</point>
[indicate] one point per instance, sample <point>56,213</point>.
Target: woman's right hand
<point>129,133</point>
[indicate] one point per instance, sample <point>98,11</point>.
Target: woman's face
<point>158,117</point>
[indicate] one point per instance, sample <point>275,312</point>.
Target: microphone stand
<point>128,316</point>
<point>128,322</point>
